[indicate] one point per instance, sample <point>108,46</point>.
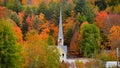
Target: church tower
<point>62,49</point>
<point>60,33</point>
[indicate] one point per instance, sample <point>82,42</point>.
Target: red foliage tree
<point>21,14</point>
<point>100,18</point>
<point>30,20</point>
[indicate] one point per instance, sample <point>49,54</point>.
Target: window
<point>62,55</point>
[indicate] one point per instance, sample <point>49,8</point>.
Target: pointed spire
<point>60,34</point>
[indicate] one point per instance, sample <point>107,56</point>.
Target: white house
<point>110,64</point>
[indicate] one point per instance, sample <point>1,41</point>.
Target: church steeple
<point>60,33</point>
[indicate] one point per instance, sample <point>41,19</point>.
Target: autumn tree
<point>117,9</point>
<point>36,23</point>
<point>74,48</point>
<point>103,19</point>
<point>90,40</point>
<point>69,26</point>
<point>114,36</point>
<point>104,40</point>
<point>44,34</point>
<point>10,51</point>
<point>39,53</point>
<point>100,18</point>
<point>109,21</point>
<point>4,13</point>
<point>19,34</point>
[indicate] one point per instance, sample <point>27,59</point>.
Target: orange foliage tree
<point>45,31</point>
<point>115,36</point>
<point>18,33</point>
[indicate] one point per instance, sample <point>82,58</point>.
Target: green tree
<point>52,12</point>
<point>90,40</point>
<point>51,40</point>
<point>10,52</point>
<point>104,42</point>
<point>16,19</point>
<point>66,8</point>
<point>36,23</point>
<point>80,18</point>
<point>113,2</point>
<point>69,35</point>
<point>101,4</point>
<point>53,57</point>
<point>85,9</point>
<point>28,11</point>
<point>41,8</point>
<point>15,6</point>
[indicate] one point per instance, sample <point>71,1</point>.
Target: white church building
<point>61,47</point>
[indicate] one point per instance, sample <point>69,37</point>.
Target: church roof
<point>64,48</point>
<point>60,34</point>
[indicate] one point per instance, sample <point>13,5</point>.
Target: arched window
<point>63,55</point>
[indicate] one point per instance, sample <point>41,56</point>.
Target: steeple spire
<point>60,33</point>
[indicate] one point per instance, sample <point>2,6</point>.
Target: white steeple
<point>60,33</point>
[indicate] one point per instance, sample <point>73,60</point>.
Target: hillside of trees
<point>28,28</point>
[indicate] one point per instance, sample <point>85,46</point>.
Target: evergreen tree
<point>51,40</point>
<point>101,4</point>
<point>15,6</point>
<point>10,55</point>
<point>28,11</point>
<point>69,35</point>
<point>52,12</point>
<point>90,39</point>
<point>41,8</point>
<point>15,18</point>
<point>85,9</point>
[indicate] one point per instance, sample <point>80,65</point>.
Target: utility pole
<point>117,56</point>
